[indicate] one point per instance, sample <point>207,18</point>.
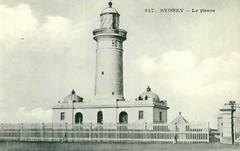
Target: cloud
<point>184,71</point>
<point>56,24</point>
<point>35,54</point>
<point>16,21</point>
<point>186,79</point>
<point>37,115</point>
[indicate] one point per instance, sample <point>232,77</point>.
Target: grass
<point>28,146</point>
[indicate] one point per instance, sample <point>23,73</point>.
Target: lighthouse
<point>109,56</point>
<point>109,104</point>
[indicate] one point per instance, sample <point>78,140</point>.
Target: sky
<point>192,60</point>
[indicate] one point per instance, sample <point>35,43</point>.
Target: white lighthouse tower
<point>109,58</point>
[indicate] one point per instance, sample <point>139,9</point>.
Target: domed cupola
<point>148,94</point>
<point>72,98</point>
<point>109,18</point>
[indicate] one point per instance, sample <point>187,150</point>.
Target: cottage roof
<point>179,120</point>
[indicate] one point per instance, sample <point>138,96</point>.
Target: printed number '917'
<point>149,10</point>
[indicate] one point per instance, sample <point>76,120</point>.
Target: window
<point>78,118</point>
<point>146,97</point>
<point>112,93</point>
<point>100,117</point>
<point>62,116</point>
<point>123,118</point>
<point>114,43</point>
<point>140,115</point>
<point>160,116</point>
<point>102,73</point>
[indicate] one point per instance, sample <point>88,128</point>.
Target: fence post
<point>174,135</point>
<point>90,132</point>
<point>66,133</point>
<point>52,131</point>
<point>133,135</point>
<point>116,137</point>
<point>2,131</point>
<point>21,132</point>
<point>43,132</point>
<point>208,132</point>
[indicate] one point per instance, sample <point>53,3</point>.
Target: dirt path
<point>23,146</point>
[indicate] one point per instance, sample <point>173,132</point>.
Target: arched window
<point>78,118</point>
<point>123,118</point>
<point>100,117</point>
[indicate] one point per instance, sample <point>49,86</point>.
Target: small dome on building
<point>109,10</point>
<point>72,98</point>
<point>149,94</point>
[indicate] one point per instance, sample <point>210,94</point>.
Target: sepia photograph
<point>119,75</point>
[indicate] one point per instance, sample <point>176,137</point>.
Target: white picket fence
<point>53,132</point>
